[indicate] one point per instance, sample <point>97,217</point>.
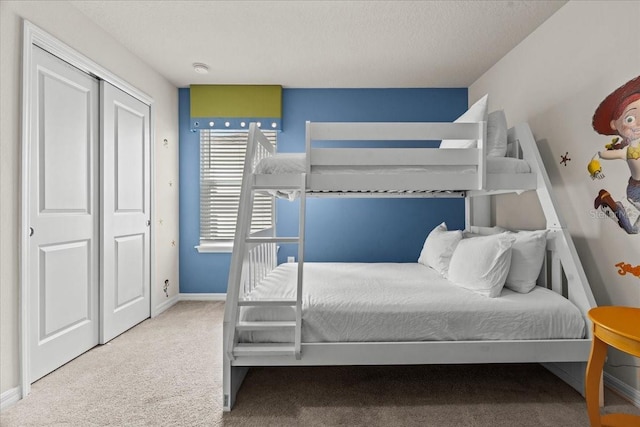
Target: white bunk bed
<point>386,172</point>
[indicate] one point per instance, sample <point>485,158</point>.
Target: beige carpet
<point>167,372</point>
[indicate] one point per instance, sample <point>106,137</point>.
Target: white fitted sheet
<point>405,302</point>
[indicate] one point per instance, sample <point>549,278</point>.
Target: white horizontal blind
<point>222,156</point>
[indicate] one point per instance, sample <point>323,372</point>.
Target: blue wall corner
<point>349,230</point>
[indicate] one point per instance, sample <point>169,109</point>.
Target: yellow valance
<point>235,106</point>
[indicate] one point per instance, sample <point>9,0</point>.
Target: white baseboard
<point>9,398</point>
<point>203,297</point>
<point>622,389</point>
<point>570,373</point>
<point>187,297</point>
<point>166,304</point>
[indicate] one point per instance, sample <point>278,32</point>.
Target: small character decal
<point>624,268</point>
<point>619,115</point>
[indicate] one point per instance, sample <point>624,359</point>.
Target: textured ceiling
<point>321,44</point>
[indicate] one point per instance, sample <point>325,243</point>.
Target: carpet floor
<point>167,372</point>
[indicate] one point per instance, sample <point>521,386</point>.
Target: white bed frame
<point>255,254</point>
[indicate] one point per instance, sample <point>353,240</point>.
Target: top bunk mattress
<point>295,163</point>
<point>385,302</point>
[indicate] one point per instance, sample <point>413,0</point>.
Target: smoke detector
<point>200,68</point>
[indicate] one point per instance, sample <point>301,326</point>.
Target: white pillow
<point>481,264</point>
<point>497,134</point>
<point>477,231</point>
<point>476,113</point>
<point>526,260</point>
<point>513,150</point>
<point>438,248</point>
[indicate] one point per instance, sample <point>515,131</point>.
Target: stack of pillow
<point>496,144</point>
<point>494,257</point>
<point>487,261</point>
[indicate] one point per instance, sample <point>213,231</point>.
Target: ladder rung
<point>285,349</point>
<point>267,302</point>
<point>272,240</point>
<point>265,326</point>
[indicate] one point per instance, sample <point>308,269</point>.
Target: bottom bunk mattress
<point>383,302</point>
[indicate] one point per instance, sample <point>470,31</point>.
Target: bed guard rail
<point>390,132</point>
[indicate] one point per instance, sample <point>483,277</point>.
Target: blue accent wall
<point>350,230</point>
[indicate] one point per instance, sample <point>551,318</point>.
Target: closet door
<point>126,200</point>
<point>63,214</point>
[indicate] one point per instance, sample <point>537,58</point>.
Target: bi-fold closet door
<point>89,211</point>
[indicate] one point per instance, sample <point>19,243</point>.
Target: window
<point>222,156</point>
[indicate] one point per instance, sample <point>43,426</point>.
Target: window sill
<point>219,247</point>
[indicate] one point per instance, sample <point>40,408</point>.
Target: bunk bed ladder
<point>278,349</point>
<point>255,255</point>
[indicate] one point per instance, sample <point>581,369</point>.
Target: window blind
<point>222,155</point>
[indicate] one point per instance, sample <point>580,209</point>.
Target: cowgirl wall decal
<point>619,115</point>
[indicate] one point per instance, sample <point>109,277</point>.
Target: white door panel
<point>130,147</point>
<point>63,214</point>
<point>66,263</point>
<point>65,179</point>
<point>130,278</point>
<point>125,264</point>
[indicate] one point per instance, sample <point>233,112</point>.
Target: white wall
<point>554,80</point>
<point>72,27</point>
